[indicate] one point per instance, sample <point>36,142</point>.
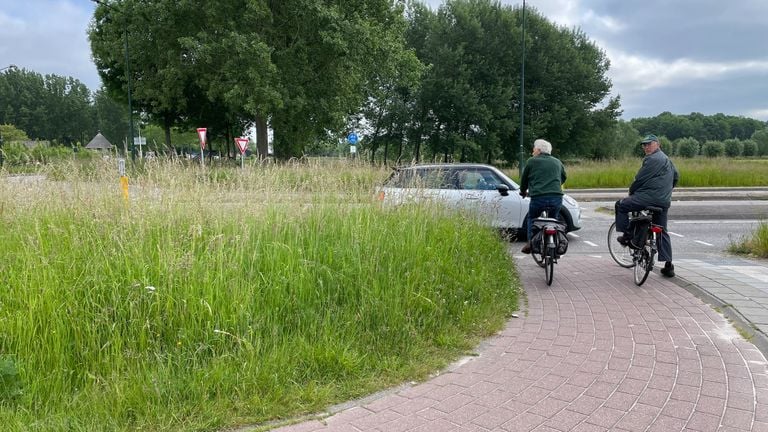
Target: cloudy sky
<point>681,56</point>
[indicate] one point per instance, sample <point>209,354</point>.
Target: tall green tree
<point>47,107</point>
<point>472,86</point>
<point>299,66</point>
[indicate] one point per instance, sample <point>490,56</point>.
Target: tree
<point>47,107</point>
<point>733,147</point>
<point>761,138</point>
<point>687,147</point>
<point>471,88</point>
<point>12,133</point>
<point>713,149</point>
<point>111,118</point>
<point>297,65</point>
<point>750,148</point>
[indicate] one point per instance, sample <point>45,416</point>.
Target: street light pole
<point>127,76</point>
<point>13,66</point>
<point>522,95</point>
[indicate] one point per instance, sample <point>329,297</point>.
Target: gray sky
<point>682,56</point>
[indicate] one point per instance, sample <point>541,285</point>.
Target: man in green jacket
<point>542,180</point>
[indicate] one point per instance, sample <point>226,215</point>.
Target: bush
<point>687,147</point>
<point>750,148</point>
<point>667,146</point>
<point>713,149</point>
<point>733,147</point>
<point>761,138</point>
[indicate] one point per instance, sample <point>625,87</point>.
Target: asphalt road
<point>699,234</point>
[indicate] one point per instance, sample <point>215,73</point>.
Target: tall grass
<point>221,297</point>
<point>698,172</point>
<point>754,244</point>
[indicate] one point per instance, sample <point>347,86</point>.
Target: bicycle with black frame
<point>548,242</point>
<point>641,250</point>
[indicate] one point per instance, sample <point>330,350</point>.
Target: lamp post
<point>127,75</point>
<point>522,95</point>
<point>13,66</point>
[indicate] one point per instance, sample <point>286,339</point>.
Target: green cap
<point>649,138</point>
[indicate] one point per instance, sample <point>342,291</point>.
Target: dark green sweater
<point>543,175</point>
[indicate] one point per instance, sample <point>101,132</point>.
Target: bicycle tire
<point>643,265</point>
<point>539,257</point>
<point>549,266</point>
<point>621,254</point>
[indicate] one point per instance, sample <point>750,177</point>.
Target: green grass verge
<point>756,244</point>
<point>226,297</point>
<point>697,172</point>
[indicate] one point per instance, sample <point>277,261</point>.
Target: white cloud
<point>643,73</point>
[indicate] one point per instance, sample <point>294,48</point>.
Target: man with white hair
<point>542,180</point>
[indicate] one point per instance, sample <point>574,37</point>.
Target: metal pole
<point>128,80</point>
<point>522,96</point>
<point>127,76</point>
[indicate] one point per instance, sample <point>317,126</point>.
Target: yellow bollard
<point>124,187</point>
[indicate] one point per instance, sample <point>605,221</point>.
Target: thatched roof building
<point>99,142</point>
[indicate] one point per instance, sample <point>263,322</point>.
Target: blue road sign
<point>352,138</point>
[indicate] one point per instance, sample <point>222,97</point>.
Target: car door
<point>478,188</point>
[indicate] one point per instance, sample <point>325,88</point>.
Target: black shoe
<point>526,248</point>
<point>668,270</point>
<point>624,239</point>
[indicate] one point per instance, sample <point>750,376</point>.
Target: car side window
<point>478,180</point>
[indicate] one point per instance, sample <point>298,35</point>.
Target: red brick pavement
<point>593,352</point>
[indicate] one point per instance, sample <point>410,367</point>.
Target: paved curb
<point>757,337</point>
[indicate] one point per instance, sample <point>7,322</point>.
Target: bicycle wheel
<point>643,265</point>
<point>549,266</point>
<point>539,257</point>
<point>621,254</point>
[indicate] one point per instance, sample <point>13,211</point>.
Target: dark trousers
<point>538,204</point>
<point>626,205</point>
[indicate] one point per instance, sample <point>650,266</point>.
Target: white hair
<point>543,145</point>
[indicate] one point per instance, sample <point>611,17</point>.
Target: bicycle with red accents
<point>641,252</point>
<point>547,245</point>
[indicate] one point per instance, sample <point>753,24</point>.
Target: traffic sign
<point>242,144</point>
<point>201,134</point>
<point>352,138</point>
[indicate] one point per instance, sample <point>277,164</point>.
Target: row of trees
<point>58,109</point>
<point>416,83</point>
<point>420,82</point>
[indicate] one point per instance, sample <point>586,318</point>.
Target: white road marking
<point>573,235</point>
<point>590,243</point>
<point>715,221</point>
<point>675,234</point>
<point>704,243</point>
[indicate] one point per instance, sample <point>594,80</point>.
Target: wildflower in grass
<point>150,289</point>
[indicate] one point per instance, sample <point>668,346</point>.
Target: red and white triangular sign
<point>201,133</point>
<point>242,144</point>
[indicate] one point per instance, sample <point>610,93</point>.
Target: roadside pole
<point>201,133</point>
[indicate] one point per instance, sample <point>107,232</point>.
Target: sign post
<point>352,138</point>
<point>201,133</point>
<point>242,145</point>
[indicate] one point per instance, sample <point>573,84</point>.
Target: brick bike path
<point>592,352</point>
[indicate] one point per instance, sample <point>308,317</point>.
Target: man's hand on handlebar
<point>522,193</point>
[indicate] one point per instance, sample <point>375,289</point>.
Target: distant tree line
<point>415,83</point>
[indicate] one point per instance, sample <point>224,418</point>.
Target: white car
<point>481,189</point>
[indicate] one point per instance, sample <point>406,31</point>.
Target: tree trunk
<point>262,137</point>
<point>167,133</point>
